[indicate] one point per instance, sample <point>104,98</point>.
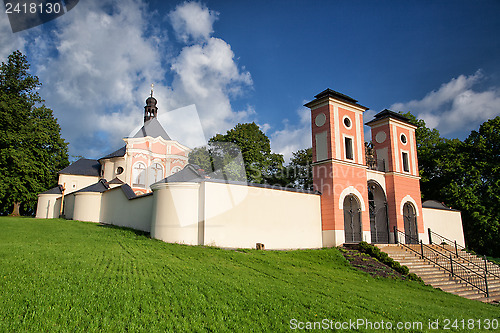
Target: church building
<point>361,193</point>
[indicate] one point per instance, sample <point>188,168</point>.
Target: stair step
<point>437,277</point>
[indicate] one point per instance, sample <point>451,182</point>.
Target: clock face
<point>380,137</point>
<point>320,119</point>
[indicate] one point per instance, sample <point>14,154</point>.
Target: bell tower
<point>339,170</point>
<point>394,142</point>
<point>150,110</point>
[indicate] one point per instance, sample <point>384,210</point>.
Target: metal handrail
<point>446,240</point>
<point>496,268</point>
<point>456,269</point>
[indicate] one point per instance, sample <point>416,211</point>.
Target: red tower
<point>339,170</point>
<point>393,138</point>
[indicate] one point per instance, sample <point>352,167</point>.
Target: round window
<point>380,137</point>
<point>403,139</point>
<point>320,119</point>
<point>347,122</point>
<point>119,170</point>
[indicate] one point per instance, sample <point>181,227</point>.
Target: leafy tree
<point>430,146</point>
<point>31,147</point>
<point>260,164</point>
<point>221,160</point>
<point>466,176</point>
<point>301,169</point>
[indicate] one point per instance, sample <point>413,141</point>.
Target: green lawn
<point>58,275</point>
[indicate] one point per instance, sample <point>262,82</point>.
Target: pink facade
<point>349,207</point>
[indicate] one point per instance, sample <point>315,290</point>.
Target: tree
<point>260,164</point>
<point>466,176</point>
<point>301,169</point>
<point>31,147</point>
<point>430,145</point>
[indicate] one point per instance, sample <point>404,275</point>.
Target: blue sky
<point>240,61</point>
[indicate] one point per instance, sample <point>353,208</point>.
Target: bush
<point>375,252</point>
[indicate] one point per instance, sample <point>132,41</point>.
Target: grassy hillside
<point>58,275</point>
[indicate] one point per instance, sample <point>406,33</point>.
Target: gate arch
<point>352,219</point>
<point>410,220</point>
<point>379,223</point>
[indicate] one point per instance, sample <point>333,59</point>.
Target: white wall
<point>235,216</point>
<point>117,209</point>
<point>87,206</point>
<point>176,213</point>
<point>74,183</point>
<point>447,223</point>
<point>48,206</point>
<point>240,216</point>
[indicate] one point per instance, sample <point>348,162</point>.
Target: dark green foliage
<point>222,160</point>
<point>381,256</point>
<point>466,176</point>
<point>31,148</point>
<point>248,141</point>
<point>300,169</point>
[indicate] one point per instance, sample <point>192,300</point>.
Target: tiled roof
<point>54,190</point>
<point>335,94</point>
<point>116,181</point>
<point>389,114</point>
<point>188,174</point>
<point>436,205</point>
<point>118,153</point>
<point>127,190</point>
<point>99,187</point>
<point>153,129</point>
<point>83,167</point>
<point>191,174</point>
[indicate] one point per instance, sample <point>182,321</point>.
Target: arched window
<point>156,173</point>
<point>410,222</point>
<point>175,169</point>
<point>139,174</point>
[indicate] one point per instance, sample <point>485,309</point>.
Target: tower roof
<point>153,129</point>
<point>386,113</point>
<point>336,95</point>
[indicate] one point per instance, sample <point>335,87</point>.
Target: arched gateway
<point>352,220</point>
<point>410,220</point>
<point>379,224</point>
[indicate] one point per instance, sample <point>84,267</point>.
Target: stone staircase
<point>439,278</point>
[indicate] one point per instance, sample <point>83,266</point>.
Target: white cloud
<point>9,41</point>
<point>293,137</point>
<point>193,21</point>
<point>99,76</point>
<point>98,62</point>
<point>208,76</point>
<point>455,106</point>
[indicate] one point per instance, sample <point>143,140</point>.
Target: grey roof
<point>116,181</point>
<point>390,114</point>
<point>54,190</point>
<point>335,94</point>
<point>99,187</point>
<point>83,167</point>
<point>191,174</point>
<point>436,205</point>
<point>118,153</point>
<point>153,129</point>
<point>188,174</point>
<point>127,190</point>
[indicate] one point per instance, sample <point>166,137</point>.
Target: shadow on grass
<point>135,231</point>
